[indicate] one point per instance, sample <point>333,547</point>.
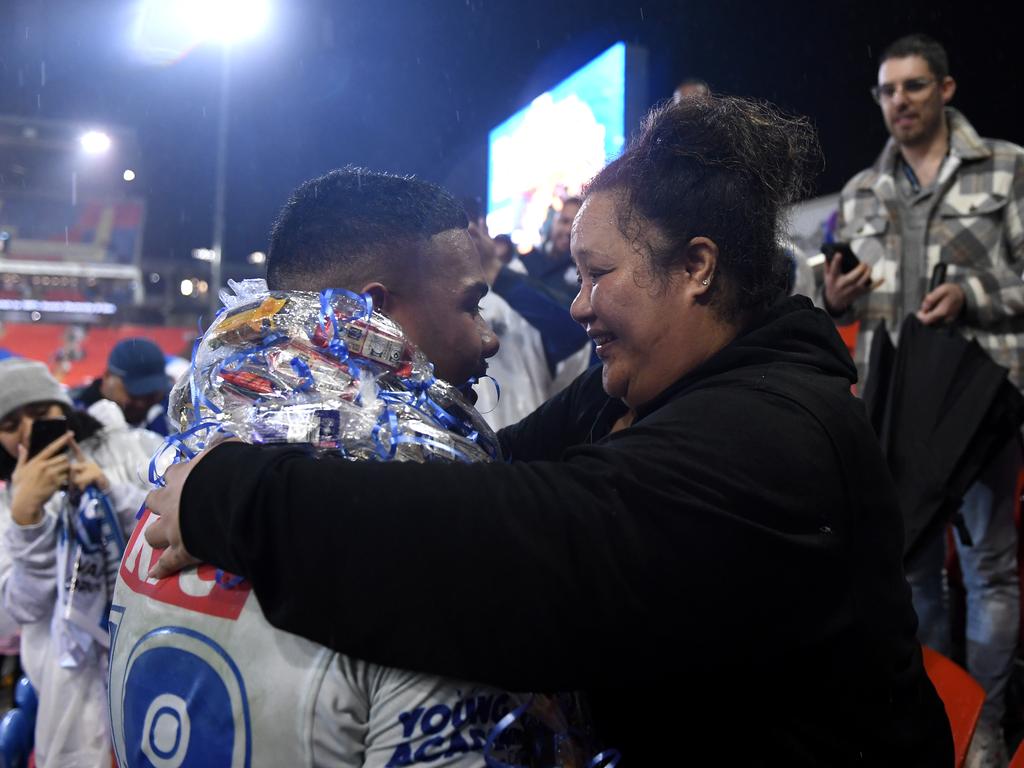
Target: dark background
<point>413,86</point>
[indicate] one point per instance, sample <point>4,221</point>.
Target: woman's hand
<point>85,473</point>
<point>35,480</point>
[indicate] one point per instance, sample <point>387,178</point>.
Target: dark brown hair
<point>720,167</point>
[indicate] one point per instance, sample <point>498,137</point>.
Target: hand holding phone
<point>41,471</point>
<point>846,278</point>
<point>843,250</point>
<point>44,432</point>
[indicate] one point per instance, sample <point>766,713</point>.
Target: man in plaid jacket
<point>940,193</point>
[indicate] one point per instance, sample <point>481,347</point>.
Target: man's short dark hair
<point>353,226</point>
<point>928,48</point>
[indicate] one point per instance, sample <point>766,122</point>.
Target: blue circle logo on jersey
<point>184,704</point>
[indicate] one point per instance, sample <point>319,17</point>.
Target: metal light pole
<point>221,179</point>
<point>167,30</point>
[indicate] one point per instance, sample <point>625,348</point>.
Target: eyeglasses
<point>910,87</point>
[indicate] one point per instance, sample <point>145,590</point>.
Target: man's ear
<point>383,299</point>
<point>948,88</point>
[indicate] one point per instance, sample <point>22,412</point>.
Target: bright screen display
<point>549,149</point>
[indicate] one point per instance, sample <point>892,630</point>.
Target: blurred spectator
<point>136,380</point>
<point>938,191</point>
<point>56,586</point>
<point>504,248</point>
<point>542,348</point>
<point>550,264</point>
<point>690,88</point>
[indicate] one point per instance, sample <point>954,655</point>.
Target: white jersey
<point>198,677</point>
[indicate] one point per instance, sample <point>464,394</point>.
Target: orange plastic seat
<point>848,333</point>
<point>962,696</point>
<point>1018,757</point>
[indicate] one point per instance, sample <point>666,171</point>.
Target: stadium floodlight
<point>257,257</point>
<point>168,30</point>
<point>187,287</point>
<point>94,142</point>
<point>228,21</point>
<point>204,254</point>
<point>128,175</point>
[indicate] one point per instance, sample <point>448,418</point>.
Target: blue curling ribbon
<point>255,354</point>
<point>431,443</point>
<point>303,372</point>
<point>424,403</point>
<point>497,389</point>
<point>496,732</point>
<point>198,398</point>
<point>608,758</point>
<point>336,347</point>
<point>387,452</point>
<point>418,397</point>
<point>177,443</point>
<point>611,755</point>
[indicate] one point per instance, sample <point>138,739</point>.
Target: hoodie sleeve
<point>30,587</point>
<point>8,626</point>
<point>494,572</point>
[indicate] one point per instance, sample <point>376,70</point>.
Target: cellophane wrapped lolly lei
<point>323,369</point>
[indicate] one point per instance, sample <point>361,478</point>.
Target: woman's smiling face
<point>640,324</point>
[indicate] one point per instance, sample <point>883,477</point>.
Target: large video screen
<point>549,149</point>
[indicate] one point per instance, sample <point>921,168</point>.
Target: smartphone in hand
<point>843,250</point>
<point>44,432</point>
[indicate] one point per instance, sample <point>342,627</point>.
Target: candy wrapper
<point>323,369</point>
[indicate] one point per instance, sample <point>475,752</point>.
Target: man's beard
<point>919,134</point>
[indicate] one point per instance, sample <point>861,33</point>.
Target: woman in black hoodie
<point>702,533</point>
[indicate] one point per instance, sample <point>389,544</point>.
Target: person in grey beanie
<point>64,515</point>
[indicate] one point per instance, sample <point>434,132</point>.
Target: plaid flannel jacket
<point>975,226</point>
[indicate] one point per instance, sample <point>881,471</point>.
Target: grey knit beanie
<point>23,382</point>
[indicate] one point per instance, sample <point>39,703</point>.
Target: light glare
<point>95,142</point>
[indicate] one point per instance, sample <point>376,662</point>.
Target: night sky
<point>414,86</point>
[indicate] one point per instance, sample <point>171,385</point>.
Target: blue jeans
<point>991,581</point>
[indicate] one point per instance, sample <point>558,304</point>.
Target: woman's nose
<point>580,309</point>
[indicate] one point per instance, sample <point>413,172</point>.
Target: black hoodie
<point>724,577</point>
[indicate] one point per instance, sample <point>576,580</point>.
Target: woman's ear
<point>699,262</point>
